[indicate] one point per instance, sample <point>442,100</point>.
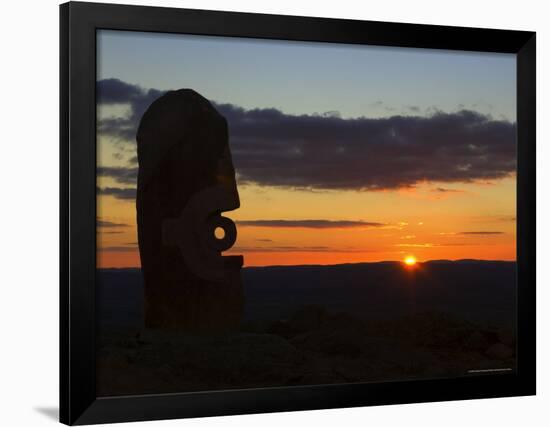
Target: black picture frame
<point>78,24</point>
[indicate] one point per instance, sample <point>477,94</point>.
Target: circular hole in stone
<point>219,232</point>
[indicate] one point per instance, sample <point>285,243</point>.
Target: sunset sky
<point>343,153</point>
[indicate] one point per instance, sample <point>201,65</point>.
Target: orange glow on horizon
<point>479,223</point>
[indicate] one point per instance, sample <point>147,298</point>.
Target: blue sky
<point>307,78</point>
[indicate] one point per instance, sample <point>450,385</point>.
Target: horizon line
<point>449,261</point>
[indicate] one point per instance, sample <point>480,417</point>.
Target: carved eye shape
<point>219,233</point>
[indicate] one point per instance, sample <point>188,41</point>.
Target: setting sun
<point>410,260</point>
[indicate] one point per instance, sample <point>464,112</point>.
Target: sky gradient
<point>342,153</point>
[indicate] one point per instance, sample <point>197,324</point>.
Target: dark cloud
<point>272,148</point>
<point>298,249</point>
<point>446,190</point>
<point>118,193</point>
<point>328,152</point>
<point>480,233</point>
<point>264,240</point>
<point>110,224</point>
<point>115,91</point>
<point>307,223</point>
<point>121,175</point>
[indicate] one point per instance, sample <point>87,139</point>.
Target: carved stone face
<point>186,180</point>
<point>194,230</point>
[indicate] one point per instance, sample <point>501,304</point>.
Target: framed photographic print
<point>273,213</point>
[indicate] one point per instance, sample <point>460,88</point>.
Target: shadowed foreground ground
<point>280,344</point>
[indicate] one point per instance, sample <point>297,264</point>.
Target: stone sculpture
<point>186,180</point>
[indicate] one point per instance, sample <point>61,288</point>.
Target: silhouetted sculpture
<point>186,179</point>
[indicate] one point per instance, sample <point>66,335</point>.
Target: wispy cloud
<point>298,249</point>
<point>118,249</point>
<point>431,245</point>
<point>446,190</point>
<point>110,224</point>
<point>416,245</point>
<point>493,218</point>
<point>307,223</point>
<point>121,175</point>
<point>480,233</point>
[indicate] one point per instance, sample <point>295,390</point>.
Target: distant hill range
<point>474,290</point>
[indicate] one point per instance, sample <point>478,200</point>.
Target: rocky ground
<point>313,346</point>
